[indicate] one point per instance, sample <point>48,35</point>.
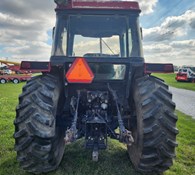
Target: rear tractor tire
<point>38,141</point>
<point>155,130</point>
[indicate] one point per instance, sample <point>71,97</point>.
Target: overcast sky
<point>168,27</point>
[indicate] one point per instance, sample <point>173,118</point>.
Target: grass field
<point>170,80</point>
<point>77,161</point>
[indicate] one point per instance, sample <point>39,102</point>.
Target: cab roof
<point>97,4</point>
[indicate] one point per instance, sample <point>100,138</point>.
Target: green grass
<point>170,80</point>
<point>77,161</point>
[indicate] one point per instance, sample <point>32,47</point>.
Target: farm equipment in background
<point>10,66</point>
<point>11,72</point>
<point>15,78</point>
<point>186,75</point>
<point>15,67</point>
<point>96,81</point>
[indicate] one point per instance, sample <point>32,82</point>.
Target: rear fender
<point>158,68</point>
<point>34,66</point>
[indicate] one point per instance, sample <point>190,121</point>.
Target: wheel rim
<point>3,81</point>
<point>15,81</point>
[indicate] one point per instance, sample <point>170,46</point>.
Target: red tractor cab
<point>96,81</point>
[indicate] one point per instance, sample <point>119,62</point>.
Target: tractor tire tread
<point>38,142</point>
<point>156,126</point>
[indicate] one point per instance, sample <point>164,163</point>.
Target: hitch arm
<point>71,134</point>
<point>125,135</point>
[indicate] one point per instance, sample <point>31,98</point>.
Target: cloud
<point>24,28</point>
<point>157,48</point>
<point>28,9</point>
<point>176,52</point>
<point>185,44</point>
<point>169,42</point>
<point>30,50</point>
<point>147,6</point>
<point>172,27</point>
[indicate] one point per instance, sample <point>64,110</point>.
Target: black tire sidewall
<point>15,81</point>
<point>3,81</point>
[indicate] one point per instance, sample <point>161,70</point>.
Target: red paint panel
<point>79,4</point>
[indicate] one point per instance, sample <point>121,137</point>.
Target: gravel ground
<point>185,100</point>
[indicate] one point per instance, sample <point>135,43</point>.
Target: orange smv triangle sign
<point>80,72</point>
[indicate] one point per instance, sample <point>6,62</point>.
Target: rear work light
<point>80,72</point>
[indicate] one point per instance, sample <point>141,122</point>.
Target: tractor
<point>96,86</point>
